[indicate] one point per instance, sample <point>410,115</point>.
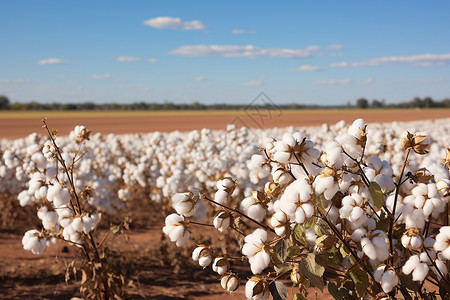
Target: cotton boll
<point>203,255</point>
<point>257,289</point>
<point>279,222</point>
<point>34,242</point>
<point>176,229</point>
<point>221,265</point>
<point>230,282</point>
<point>254,206</point>
<point>25,198</point>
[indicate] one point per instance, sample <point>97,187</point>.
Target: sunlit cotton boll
<point>352,210</point>
<point>255,249</point>
<point>259,166</point>
<point>203,255</point>
<point>428,200</point>
<point>279,222</point>
<point>225,188</point>
<point>377,246</point>
<point>49,218</point>
<point>254,206</point>
<point>34,242</point>
<point>176,229</point>
<point>222,220</point>
<point>221,265</point>
<point>184,203</point>
<point>442,243</point>
<point>25,198</point>
<point>229,282</point>
<point>256,289</point>
<point>58,195</point>
<point>412,239</point>
<point>49,150</point>
<point>418,267</point>
<point>386,277</point>
<point>357,129</point>
<point>381,172</point>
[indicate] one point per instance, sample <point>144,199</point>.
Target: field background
<point>26,276</point>
<point>18,124</point>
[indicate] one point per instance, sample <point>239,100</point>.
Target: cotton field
<point>357,210</point>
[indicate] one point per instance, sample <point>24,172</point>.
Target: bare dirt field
<point>20,124</point>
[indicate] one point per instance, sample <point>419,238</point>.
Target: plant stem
<point>392,216</point>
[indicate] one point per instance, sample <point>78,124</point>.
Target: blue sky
<point>310,52</point>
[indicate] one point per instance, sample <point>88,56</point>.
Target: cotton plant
<point>55,188</point>
<point>333,214</point>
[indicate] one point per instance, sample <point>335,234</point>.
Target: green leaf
<point>281,249</point>
<point>278,290</point>
<point>361,280</point>
<point>322,202</point>
<point>312,270</point>
<point>299,233</point>
<point>310,223</point>
<point>298,296</point>
<point>344,251</point>
<point>337,293</point>
<point>294,250</point>
<point>115,229</point>
<point>377,194</point>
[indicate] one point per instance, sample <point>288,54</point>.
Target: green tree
<point>377,104</point>
<point>4,102</point>
<point>362,103</point>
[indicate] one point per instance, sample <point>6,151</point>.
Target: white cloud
<point>366,81</point>
<point>128,58</point>
<point>174,23</point>
<point>253,83</point>
<point>242,31</point>
<point>333,81</point>
<point>244,51</point>
<point>52,61</point>
<point>200,78</point>
<point>101,76</point>
<point>423,60</point>
<point>335,47</point>
<point>339,65</point>
<point>14,80</point>
<point>309,68</point>
<point>152,60</point>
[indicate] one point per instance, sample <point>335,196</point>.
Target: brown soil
<point>27,276</point>
<point>22,126</point>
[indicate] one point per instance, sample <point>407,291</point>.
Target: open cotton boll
<point>25,198</point>
<point>279,222</point>
<point>259,166</point>
<point>254,206</point>
<point>176,229</point>
<point>442,244</point>
<point>358,127</point>
<point>34,242</point>
<point>230,282</point>
<point>221,265</point>
<point>257,289</point>
<point>203,255</point>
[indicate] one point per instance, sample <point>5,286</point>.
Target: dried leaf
<point>312,270</point>
<point>337,293</point>
<point>281,249</point>
<point>278,290</point>
<point>361,280</point>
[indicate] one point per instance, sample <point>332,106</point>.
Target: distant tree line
<point>361,103</point>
